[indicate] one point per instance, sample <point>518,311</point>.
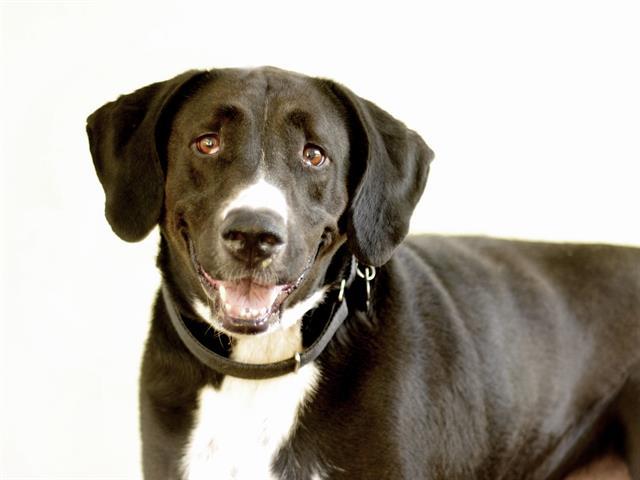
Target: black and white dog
<point>296,336</point>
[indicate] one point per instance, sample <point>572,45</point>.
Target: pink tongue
<point>244,299</point>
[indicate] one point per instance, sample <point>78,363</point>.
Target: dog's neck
<point>282,343</point>
<point>271,347</point>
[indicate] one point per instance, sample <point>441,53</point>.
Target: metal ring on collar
<point>369,273</point>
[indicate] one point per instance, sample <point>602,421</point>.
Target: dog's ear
<point>388,172</point>
<point>123,138</point>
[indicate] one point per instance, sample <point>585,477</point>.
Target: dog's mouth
<point>248,304</point>
<point>245,306</point>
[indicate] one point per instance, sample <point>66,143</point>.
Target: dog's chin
<point>245,306</point>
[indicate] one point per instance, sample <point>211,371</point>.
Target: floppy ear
<point>388,172</point>
<point>123,138</point>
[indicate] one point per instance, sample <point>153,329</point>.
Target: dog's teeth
<point>266,263</point>
<point>246,313</point>
<point>223,293</point>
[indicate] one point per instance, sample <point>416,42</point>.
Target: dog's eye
<point>313,155</point>
<point>208,144</point>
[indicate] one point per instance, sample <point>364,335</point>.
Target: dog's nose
<point>253,235</point>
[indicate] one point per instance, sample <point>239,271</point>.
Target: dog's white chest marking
<point>240,427</point>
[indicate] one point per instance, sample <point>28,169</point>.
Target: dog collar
<point>226,366</point>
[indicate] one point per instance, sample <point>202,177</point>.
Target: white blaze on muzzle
<point>261,195</point>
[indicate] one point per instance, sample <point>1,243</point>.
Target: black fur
<point>392,165</point>
<point>124,147</point>
<point>478,358</point>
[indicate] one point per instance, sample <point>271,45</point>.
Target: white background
<point>533,109</point>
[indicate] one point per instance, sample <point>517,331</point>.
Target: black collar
<point>226,366</point>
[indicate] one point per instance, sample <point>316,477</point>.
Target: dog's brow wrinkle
<point>227,111</point>
<point>265,115</point>
<point>298,117</point>
<point>266,112</point>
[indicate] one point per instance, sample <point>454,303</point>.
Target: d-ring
<point>368,275</point>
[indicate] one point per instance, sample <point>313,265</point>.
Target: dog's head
<point>256,178</point>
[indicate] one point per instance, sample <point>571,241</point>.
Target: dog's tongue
<point>245,299</point>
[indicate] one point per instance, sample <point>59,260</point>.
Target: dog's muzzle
<point>248,304</point>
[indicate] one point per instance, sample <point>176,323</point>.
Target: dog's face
<point>256,183</point>
<point>256,178</point>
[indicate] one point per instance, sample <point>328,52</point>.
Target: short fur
<point>478,358</point>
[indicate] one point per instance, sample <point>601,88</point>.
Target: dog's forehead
<point>257,83</point>
<point>264,118</point>
<point>264,93</point>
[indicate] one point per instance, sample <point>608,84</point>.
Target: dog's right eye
<point>208,144</point>
<point>313,155</point>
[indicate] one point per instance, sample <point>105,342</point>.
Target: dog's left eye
<point>208,144</point>
<point>313,155</point>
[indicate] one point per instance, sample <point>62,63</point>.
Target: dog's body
<point>463,358</point>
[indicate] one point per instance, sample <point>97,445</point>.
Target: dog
<point>299,335</point>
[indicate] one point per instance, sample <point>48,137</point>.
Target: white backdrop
<point>532,108</point>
